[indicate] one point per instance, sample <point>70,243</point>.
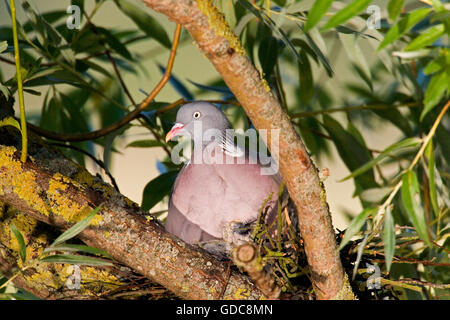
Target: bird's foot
<point>236,232</point>
<point>217,248</point>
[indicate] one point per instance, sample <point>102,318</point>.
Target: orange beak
<point>174,131</point>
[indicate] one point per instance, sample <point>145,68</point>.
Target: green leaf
<point>411,201</point>
<point>77,248</point>
<point>348,12</point>
<point>389,238</point>
<point>305,79</point>
<point>145,144</point>
<point>10,121</point>
<point>75,259</point>
<point>262,16</point>
<point>403,26</point>
<point>157,189</point>
<point>149,25</point>
<point>429,154</point>
<point>267,54</point>
<point>435,90</point>
<point>351,151</point>
<point>435,65</point>
<point>318,9</point>
<point>406,143</point>
<point>426,38</point>
<point>76,228</point>
<point>395,8</point>
<point>21,241</point>
<point>115,43</point>
<point>356,225</point>
<point>3,46</point>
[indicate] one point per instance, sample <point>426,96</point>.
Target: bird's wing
<point>179,225</point>
<point>212,195</point>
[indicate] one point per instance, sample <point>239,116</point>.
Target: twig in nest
<point>247,257</point>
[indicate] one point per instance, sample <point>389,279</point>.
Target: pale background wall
<point>135,167</point>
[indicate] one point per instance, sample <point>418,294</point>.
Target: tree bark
<point>56,191</point>
<point>219,44</point>
<point>47,280</point>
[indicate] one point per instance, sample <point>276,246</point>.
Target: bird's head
<point>199,120</point>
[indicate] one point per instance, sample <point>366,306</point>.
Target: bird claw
<point>218,248</point>
<point>237,232</point>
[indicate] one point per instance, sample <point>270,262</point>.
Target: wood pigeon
<point>222,186</point>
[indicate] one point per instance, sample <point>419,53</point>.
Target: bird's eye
<point>196,115</point>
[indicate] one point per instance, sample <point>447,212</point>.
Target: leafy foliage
<point>400,77</point>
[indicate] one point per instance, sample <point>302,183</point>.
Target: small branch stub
<point>247,257</point>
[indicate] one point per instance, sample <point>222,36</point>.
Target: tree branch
<point>219,44</point>
<point>56,191</point>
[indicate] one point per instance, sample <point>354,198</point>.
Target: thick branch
<point>52,189</point>
<point>219,44</point>
<point>47,280</point>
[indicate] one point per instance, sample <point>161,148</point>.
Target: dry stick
<point>126,119</point>
<point>220,45</point>
<point>247,257</point>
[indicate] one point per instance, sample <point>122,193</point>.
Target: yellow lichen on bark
<point>217,22</point>
<point>43,275</point>
<point>22,182</point>
<point>14,178</point>
<point>62,204</point>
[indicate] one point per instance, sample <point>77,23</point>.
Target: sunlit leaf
<point>435,91</point>
<point>395,8</point>
<point>76,259</point>
<point>436,65</point>
<point>10,121</point>
<point>76,228</point>
<point>429,153</point>
<point>426,38</point>
<point>19,237</point>
<point>317,11</point>
<point>346,13</point>
<point>388,238</point>
<point>66,247</point>
<point>403,26</point>
<point>3,46</point>
<point>412,203</point>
